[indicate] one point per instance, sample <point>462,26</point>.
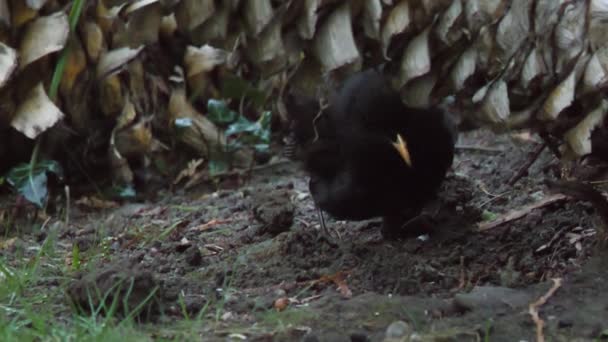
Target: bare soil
<point>249,257</point>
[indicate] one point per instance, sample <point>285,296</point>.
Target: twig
<point>322,107</point>
<point>533,309</point>
<point>552,143</point>
<point>478,148</point>
<point>239,172</point>
<point>519,213</point>
<point>67,206</point>
<point>524,168</point>
<point>463,274</point>
<point>496,197</point>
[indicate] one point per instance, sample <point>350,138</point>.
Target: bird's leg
<point>322,106</point>
<point>325,235</point>
<point>403,227</point>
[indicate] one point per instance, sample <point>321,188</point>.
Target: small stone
<point>123,281</point>
<point>183,245</point>
<point>359,337</point>
<point>274,211</point>
<point>194,256</point>
<point>491,297</point>
<point>310,338</point>
<point>564,323</point>
<point>398,331</point>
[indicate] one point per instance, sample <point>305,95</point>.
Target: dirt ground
<point>249,262</point>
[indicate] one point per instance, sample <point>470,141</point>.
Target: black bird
<point>369,155</point>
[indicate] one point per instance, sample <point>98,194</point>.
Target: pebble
<point>398,331</point>
<point>492,297</point>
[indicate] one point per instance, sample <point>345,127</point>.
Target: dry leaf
<point>192,13</point>
<point>112,61</point>
<point>5,14</point>
<point>203,59</point>
<point>110,94</point>
<point>202,133</point>
<point>7,244</point>
<point>446,32</point>
<point>43,36</point>
<point>144,22</point>
<point>334,44</point>
<point>35,4</point>
<point>36,113</point>
<point>596,74</point>
<point>208,225</point>
<point>269,44</point>
<point>281,304</point>
<point>533,67</point>
<point>371,18</point>
<point>76,64</point>
<point>495,107</point>
<point>94,202</point>
<point>257,15</point>
<point>93,40</point>
<point>463,69</point>
<point>560,98</point>
<point>416,60</point>
<point>308,20</point>
<point>189,171</point>
<point>8,63</point>
<point>21,13</point>
<point>579,136</point>
<point>397,22</point>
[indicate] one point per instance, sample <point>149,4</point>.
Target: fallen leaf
<point>209,225</point>
<point>281,303</point>
<point>96,203</point>
<point>36,113</point>
<point>189,171</point>
<point>43,36</point>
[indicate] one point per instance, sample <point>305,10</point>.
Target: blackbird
<point>368,154</point>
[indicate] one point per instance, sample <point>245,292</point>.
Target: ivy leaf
<point>487,215</point>
<point>122,191</point>
<point>30,181</point>
<point>261,147</point>
<point>259,129</point>
<point>242,125</point>
<point>264,131</point>
<point>219,113</point>
<point>217,166</point>
<point>256,133</point>
<point>234,87</point>
<point>181,123</point>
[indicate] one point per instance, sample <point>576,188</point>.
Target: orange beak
<point>401,146</point>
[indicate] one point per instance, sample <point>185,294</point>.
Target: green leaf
<point>261,147</point>
<point>121,191</point>
<point>487,215</point>
<point>219,113</point>
<point>217,166</point>
<point>264,132</point>
<point>255,133</point>
<point>73,18</point>
<point>181,123</point>
<point>241,125</point>
<point>75,257</point>
<point>265,119</point>
<point>234,87</point>
<point>126,192</point>
<point>30,181</point>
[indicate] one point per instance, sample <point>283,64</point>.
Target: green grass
<point>33,306</point>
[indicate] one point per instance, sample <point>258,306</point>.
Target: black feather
<point>356,172</point>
